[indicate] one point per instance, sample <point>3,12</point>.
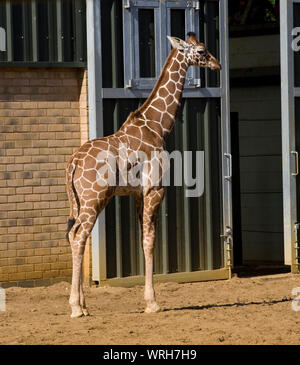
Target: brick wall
<point>43,119</point>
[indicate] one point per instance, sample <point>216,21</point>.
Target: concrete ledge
<point>34,283</point>
<point>181,277</point>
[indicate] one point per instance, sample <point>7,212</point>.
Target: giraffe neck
<point>162,105</point>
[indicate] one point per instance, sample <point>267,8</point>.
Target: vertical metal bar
<point>25,32</point>
<point>195,27</point>
<point>195,20</point>
<point>34,31</point>
<point>132,225</point>
<point>51,33</point>
<point>114,61</point>
<point>78,32</point>
<point>165,27</point>
<point>201,200</point>
<point>128,45</point>
<point>59,31</point>
<point>157,37</point>
<point>225,130</point>
<point>192,25</point>
<point>96,127</point>
<point>208,191</point>
<point>186,201</point>
<point>135,40</point>
<point>119,262</point>
<point>288,128</point>
<point>179,200</point>
<point>2,32</point>
<point>9,37</point>
<point>118,237</point>
<point>164,235</point>
<point>188,28</point>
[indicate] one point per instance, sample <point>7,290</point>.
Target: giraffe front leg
<point>151,204</point>
<point>82,300</point>
<point>149,296</point>
<point>74,300</point>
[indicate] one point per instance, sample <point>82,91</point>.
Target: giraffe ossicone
<point>92,180</point>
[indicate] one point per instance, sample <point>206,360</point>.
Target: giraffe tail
<point>72,196</point>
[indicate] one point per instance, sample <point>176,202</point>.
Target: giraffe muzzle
<point>214,64</point>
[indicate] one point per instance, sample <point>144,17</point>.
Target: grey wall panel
<point>261,211</point>
<point>259,128</point>
<point>258,109</point>
<point>262,247</point>
<point>260,174</point>
<point>260,171</point>
<point>263,145</point>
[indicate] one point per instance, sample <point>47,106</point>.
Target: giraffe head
<point>195,52</point>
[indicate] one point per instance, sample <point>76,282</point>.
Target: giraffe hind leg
<point>78,236</point>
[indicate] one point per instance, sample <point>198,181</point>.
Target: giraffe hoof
<point>85,312</point>
<point>152,308</point>
<point>76,312</point>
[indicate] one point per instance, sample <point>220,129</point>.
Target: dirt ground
<point>256,310</point>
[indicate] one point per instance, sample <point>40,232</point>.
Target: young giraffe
<point>145,130</point>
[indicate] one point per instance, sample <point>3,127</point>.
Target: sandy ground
<point>253,310</point>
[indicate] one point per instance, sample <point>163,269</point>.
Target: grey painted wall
<point>260,148</point>
<point>254,52</point>
<point>260,166</point>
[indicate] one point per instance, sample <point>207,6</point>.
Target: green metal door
<point>194,239</point>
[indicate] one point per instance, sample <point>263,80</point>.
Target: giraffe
<point>145,130</point>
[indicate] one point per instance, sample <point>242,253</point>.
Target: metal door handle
<point>229,156</point>
<point>297,163</point>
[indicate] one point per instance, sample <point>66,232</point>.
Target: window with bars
<point>146,25</point>
<point>40,32</point>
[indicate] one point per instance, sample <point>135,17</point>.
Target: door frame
<point>289,153</point>
<point>96,96</point>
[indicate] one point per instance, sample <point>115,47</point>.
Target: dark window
<point>146,43</point>
<point>17,28</point>
<point>178,23</point>
<point>42,30</point>
<point>67,31</point>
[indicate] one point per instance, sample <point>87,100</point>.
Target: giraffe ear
<point>178,43</point>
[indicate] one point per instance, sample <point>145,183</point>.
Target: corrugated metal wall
<point>186,226</point>
<point>44,32</point>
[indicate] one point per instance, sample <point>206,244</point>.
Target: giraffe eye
<point>201,53</point>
